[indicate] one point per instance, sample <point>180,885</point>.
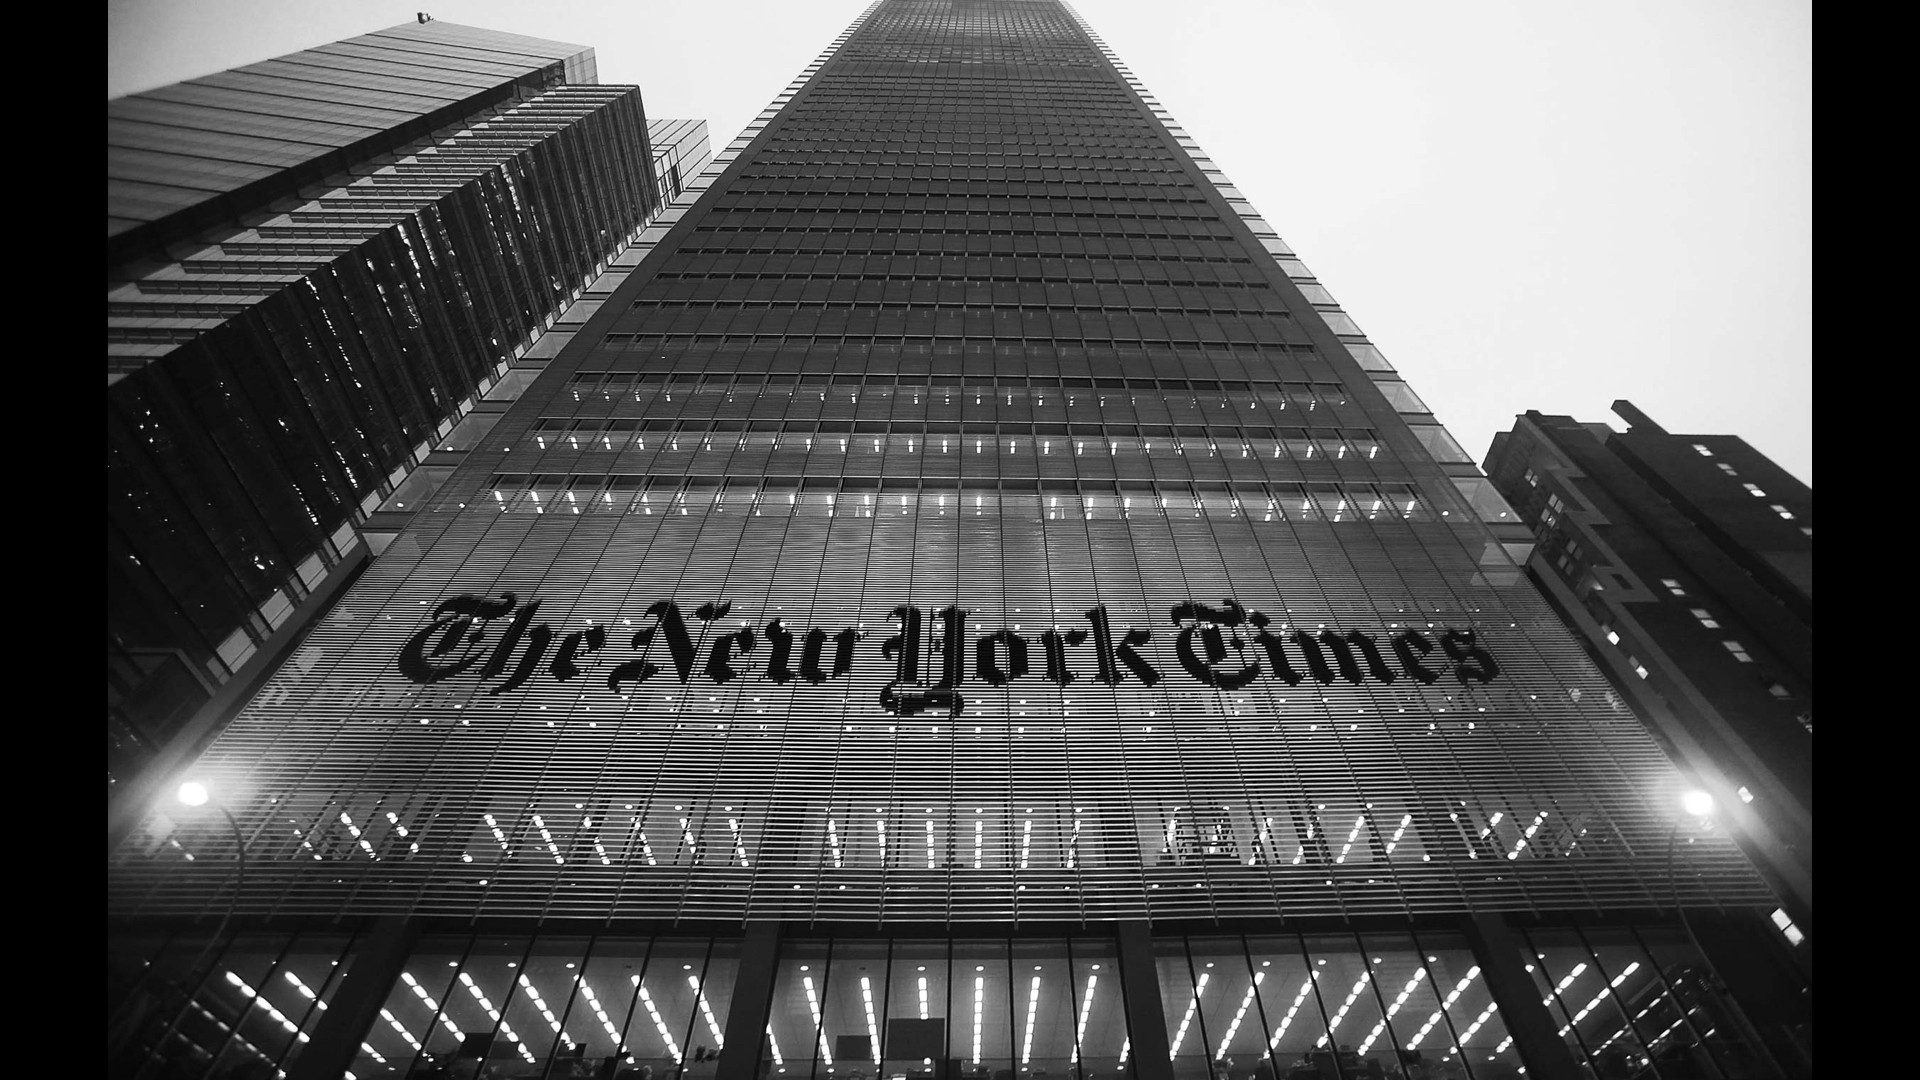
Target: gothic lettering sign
<point>932,655</point>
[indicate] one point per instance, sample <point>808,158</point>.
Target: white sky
<point>1526,205</point>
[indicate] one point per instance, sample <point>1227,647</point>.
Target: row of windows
<point>1008,299</point>
<point>649,493</point>
<point>813,397</point>
<point>931,441</point>
<point>1012,388</point>
<point>620,430</point>
<point>886,234</point>
<point>731,256</point>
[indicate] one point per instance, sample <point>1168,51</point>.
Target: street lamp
<point>194,793</point>
<point>1698,805</point>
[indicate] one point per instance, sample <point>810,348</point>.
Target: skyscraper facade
<point>317,267</point>
<point>1686,562</point>
<point>968,603</point>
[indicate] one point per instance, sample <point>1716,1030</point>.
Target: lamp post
<point>1698,805</point>
<point>194,793</point>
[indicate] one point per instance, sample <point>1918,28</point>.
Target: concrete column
<point>1146,1016</point>
<point>371,972</point>
<point>752,1003</point>
<point>1498,952</point>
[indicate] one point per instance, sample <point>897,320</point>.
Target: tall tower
<point>317,266</point>
<point>967,602</point>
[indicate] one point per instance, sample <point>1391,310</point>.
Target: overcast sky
<point>1526,205</point>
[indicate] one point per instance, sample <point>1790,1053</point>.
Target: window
<point>1613,636</point>
<point>1745,795</point>
<point>1701,449</point>
<point>1728,469</point>
<point>1706,618</point>
<point>1754,490</point>
<point>1782,511</point>
<point>1738,650</point>
<point>1806,531</point>
<point>1532,480</point>
<point>1673,586</point>
<point>1639,668</point>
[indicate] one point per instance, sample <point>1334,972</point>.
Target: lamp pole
<point>1698,805</point>
<point>193,793</point>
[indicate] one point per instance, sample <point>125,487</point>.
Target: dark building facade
<point>325,264</point>
<point>967,605</point>
<point>1686,562</point>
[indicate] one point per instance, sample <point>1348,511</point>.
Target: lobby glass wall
<point>1291,1007</point>
<point>193,1004</point>
<point>1628,1001</point>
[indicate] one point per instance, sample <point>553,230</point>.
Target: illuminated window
<point>1701,449</point>
<point>1738,650</point>
<point>1639,668</point>
<point>1779,691</point>
<point>1806,531</point>
<point>1754,490</point>
<point>1728,469</point>
<point>1745,795</point>
<point>1782,511</point>
<point>1673,586</point>
<point>1706,618</point>
<point>1532,480</point>
<point>1613,636</point>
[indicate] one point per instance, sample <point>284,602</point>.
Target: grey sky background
<point>1526,205</point>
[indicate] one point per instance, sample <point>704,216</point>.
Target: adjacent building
<point>968,604</point>
<point>319,267</point>
<point>1686,563</point>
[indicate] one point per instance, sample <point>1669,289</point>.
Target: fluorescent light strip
<point>1460,988</point>
<point>419,992</point>
<point>1419,974</point>
<point>773,1047</point>
<point>354,830</point>
<point>1352,835</point>
<point>1292,1011</point>
<point>405,1035</point>
<point>923,997</point>
<point>646,848</point>
<point>540,1003</point>
<point>833,842</point>
<point>1234,1027</point>
<point>706,1010</point>
<point>813,1006</point>
<point>1126,1047</point>
<point>1192,1007</point>
<point>979,1003</point>
<point>1086,1009</point>
<point>586,822</point>
<point>1398,833</point>
<point>1485,1015</point>
<point>498,836</point>
<point>673,1048</point>
<point>600,1013</point>
<point>873,1029</point>
<point>1033,1002</point>
<point>739,847</point>
<point>1527,834</point>
<point>1352,995</point>
<point>267,1007</point>
<point>1601,996</point>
